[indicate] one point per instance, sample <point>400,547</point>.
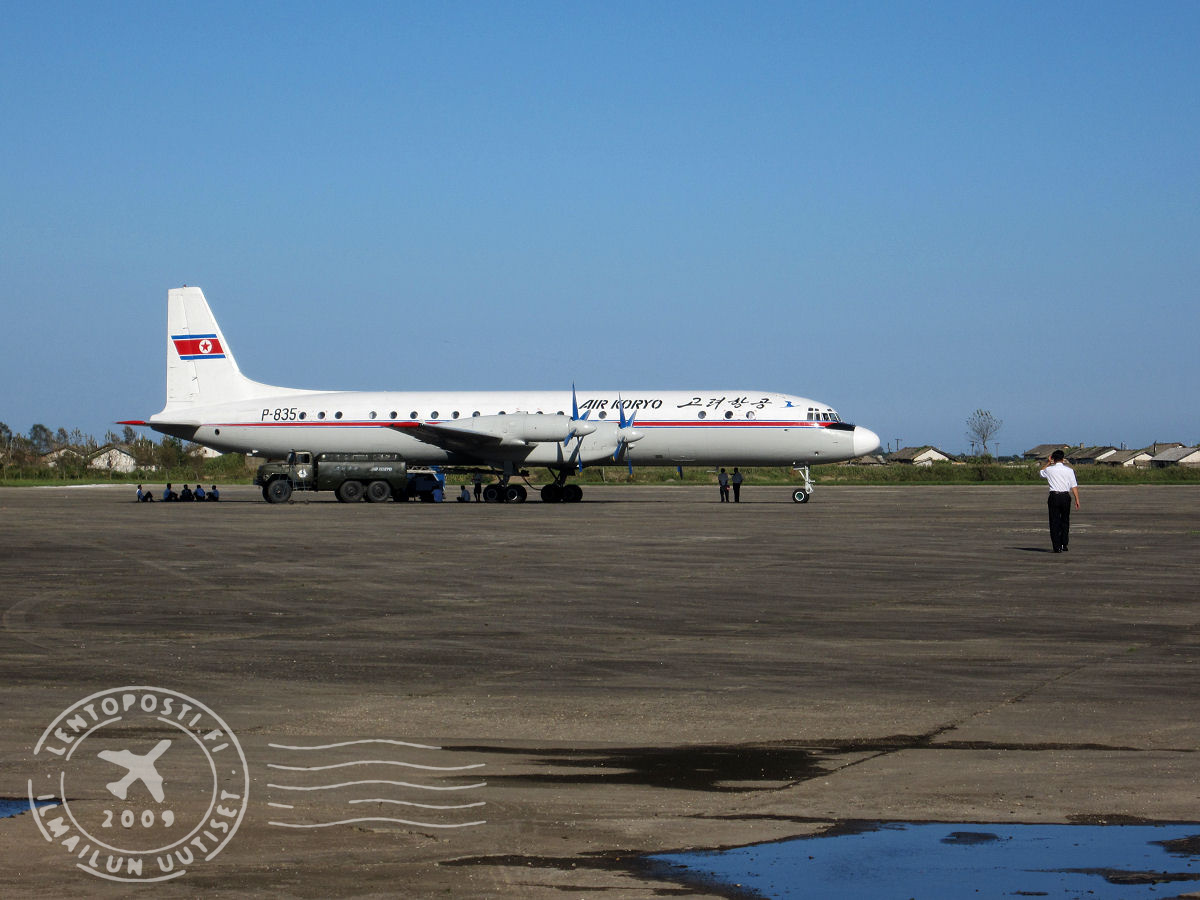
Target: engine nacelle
<point>517,429</point>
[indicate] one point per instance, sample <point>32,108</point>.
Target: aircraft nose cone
<point>865,441</point>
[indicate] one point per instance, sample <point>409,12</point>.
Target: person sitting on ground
<point>139,494</point>
<point>199,492</point>
<point>214,494</point>
<point>464,496</point>
<point>169,494</point>
<point>186,495</point>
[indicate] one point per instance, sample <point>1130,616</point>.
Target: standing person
<point>1063,487</point>
<point>736,481</point>
<point>478,486</point>
<point>723,483</point>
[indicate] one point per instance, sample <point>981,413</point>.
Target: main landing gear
<point>504,493</point>
<point>559,491</point>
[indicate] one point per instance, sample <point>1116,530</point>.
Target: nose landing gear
<point>802,494</point>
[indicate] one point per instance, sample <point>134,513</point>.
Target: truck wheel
<point>278,491</point>
<point>378,491</point>
<point>350,491</point>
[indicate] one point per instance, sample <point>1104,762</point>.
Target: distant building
<point>201,451</point>
<point>919,456</point>
<point>113,458</point>
<point>1126,458</point>
<point>61,456</point>
<point>1177,456</point>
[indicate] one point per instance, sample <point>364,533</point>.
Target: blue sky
<point>906,210</point>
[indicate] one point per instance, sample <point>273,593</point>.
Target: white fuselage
<point>676,427</point>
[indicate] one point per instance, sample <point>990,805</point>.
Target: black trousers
<point>1059,504</point>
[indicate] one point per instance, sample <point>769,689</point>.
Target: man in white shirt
<point>1063,487</point>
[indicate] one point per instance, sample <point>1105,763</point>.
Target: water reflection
<point>898,859</point>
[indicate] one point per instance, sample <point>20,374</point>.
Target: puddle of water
<point>898,859</point>
<point>12,806</point>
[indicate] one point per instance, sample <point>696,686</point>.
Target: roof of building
<point>908,454</point>
<point>1124,456</point>
<point>1041,451</point>
<point>1175,454</point>
<point>1089,452</point>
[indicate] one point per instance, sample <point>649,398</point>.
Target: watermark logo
<point>139,784</point>
<point>374,782</point>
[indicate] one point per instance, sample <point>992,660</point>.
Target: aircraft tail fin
<point>201,368</point>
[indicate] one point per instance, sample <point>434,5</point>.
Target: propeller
<point>578,428</point>
<point>626,435</point>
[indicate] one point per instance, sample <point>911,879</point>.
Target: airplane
<point>141,768</point>
<point>210,402</point>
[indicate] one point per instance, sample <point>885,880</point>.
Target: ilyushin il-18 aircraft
<point>505,433</point>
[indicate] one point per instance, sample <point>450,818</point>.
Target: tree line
<point>32,455</point>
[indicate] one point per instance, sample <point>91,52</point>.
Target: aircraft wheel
<point>800,495</point>
<point>572,493</point>
<point>514,493</point>
<point>493,494</point>
<point>378,491</point>
<point>551,493</point>
<point>350,491</point>
<point>279,490</point>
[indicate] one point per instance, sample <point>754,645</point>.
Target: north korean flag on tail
<point>198,346</point>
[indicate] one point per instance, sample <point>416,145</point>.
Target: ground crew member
<point>1062,487</point>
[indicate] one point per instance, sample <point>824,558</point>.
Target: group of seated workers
<point>186,495</point>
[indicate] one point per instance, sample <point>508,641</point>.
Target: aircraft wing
<point>448,437</point>
<point>488,433</point>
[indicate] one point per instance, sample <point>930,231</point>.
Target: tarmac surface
<point>648,671</point>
